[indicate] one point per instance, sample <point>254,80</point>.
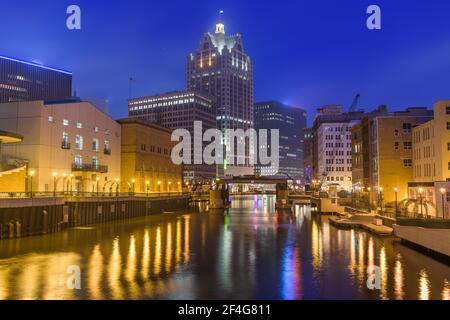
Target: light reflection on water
<point>253,252</point>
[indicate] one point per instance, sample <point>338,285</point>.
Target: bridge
<point>218,195</point>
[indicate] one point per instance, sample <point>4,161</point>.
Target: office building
<point>222,68</point>
<point>308,135</point>
<point>332,151</point>
<point>382,153</point>
<point>290,122</point>
<point>431,163</point>
<point>26,81</point>
<point>146,164</point>
<point>69,146</point>
<point>179,110</point>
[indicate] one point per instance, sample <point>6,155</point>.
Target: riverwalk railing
<point>25,195</point>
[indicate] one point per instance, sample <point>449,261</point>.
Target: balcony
<point>89,168</point>
<point>107,151</point>
<point>65,145</point>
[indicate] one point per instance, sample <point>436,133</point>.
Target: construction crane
<point>354,103</point>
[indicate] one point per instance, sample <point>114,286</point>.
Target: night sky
<point>306,53</point>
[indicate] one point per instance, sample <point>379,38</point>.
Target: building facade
<point>308,137</point>
<point>68,146</point>
<point>382,153</point>
<point>431,162</point>
<point>146,164</point>
<point>290,122</point>
<point>332,150</point>
<point>179,110</point>
<point>27,81</point>
<point>221,68</point>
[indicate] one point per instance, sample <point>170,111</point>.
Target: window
<point>95,145</point>
<point>395,133</point>
<point>65,122</point>
<point>407,163</point>
<point>407,127</point>
<point>407,145</point>
<point>448,125</point>
<point>106,149</point>
<point>78,142</point>
<point>448,166</point>
<point>95,163</point>
<point>95,129</point>
<point>78,161</point>
<point>447,110</point>
<point>448,146</point>
<point>51,119</point>
<point>396,145</point>
<point>65,141</point>
<point>79,125</point>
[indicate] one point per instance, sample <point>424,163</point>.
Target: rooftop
<point>35,64</point>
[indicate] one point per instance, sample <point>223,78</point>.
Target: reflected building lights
<point>168,264</point>
<point>424,286</point>
<point>130,272</point>
<point>158,252</point>
<point>95,273</point>
<point>398,279</point>
<point>384,273</point>
<point>114,270</point>
<point>446,290</point>
<point>146,256</point>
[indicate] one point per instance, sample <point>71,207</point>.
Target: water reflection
<point>253,252</point>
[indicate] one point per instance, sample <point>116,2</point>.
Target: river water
<point>253,252</point>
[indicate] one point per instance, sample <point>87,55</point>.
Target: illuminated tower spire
<point>220,27</point>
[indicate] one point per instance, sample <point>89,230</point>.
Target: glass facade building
<point>291,122</point>
<point>27,81</point>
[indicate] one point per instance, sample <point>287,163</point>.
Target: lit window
<point>65,122</point>
<point>79,125</point>
<point>51,119</point>
<point>78,142</point>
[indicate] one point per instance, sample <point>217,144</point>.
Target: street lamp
<point>55,177</point>
<point>147,186</point>
<point>443,192</point>
<point>117,180</point>
<point>369,196</point>
<point>170,184</point>
<point>70,187</point>
<point>396,201</point>
<point>159,186</point>
<point>179,186</point>
<point>31,174</point>
<point>421,200</point>
<point>133,181</point>
<point>98,180</point>
<point>381,199</point>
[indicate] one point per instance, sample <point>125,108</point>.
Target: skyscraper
<point>290,122</point>
<point>221,68</point>
<point>25,81</point>
<point>179,110</point>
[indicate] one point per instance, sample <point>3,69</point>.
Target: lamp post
<point>396,201</point>
<point>55,177</point>
<point>159,186</point>
<point>31,174</point>
<point>98,186</point>
<point>381,199</point>
<point>179,186</point>
<point>147,186</point>
<point>133,181</point>
<point>117,180</point>
<point>443,192</point>
<point>63,175</point>
<point>71,184</point>
<point>170,184</point>
<point>421,200</point>
<point>369,196</point>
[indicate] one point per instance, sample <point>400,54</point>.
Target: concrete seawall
<point>28,217</point>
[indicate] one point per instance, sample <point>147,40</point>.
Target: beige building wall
<point>43,127</point>
<point>146,157</point>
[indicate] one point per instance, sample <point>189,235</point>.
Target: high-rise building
<point>221,68</point>
<point>308,135</point>
<point>382,153</point>
<point>431,162</point>
<point>179,110</point>
<point>290,122</point>
<point>332,150</point>
<point>27,81</point>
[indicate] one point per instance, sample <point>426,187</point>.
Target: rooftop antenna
<point>220,27</point>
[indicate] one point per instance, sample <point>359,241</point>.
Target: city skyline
<point>309,76</point>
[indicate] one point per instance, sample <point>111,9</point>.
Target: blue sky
<point>306,53</point>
